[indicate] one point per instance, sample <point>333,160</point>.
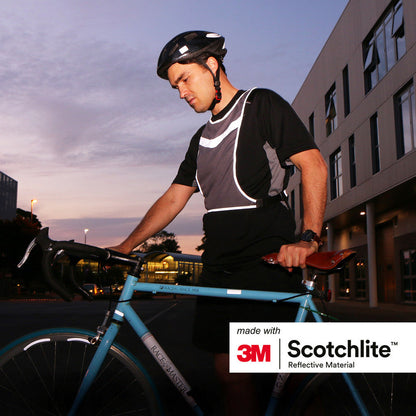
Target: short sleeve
<point>280,125</point>
<point>187,170</point>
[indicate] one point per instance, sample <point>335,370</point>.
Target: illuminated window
<point>408,266</point>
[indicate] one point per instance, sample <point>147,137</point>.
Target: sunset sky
<point>90,131</point>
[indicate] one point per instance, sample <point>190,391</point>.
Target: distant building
<point>160,267</point>
<point>171,268</point>
<point>8,197</point>
<point>359,103</point>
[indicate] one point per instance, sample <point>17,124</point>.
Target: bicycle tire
<point>383,394</point>
<point>41,372</point>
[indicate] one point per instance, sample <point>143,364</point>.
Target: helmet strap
<point>217,85</point>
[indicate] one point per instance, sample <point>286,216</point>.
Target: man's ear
<point>212,64</point>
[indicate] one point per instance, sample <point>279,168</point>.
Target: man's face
<point>194,83</point>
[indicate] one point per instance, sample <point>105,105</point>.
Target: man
<point>239,162</point>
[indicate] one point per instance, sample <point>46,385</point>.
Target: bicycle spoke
<point>382,395</point>
<point>44,380</point>
<point>15,391</point>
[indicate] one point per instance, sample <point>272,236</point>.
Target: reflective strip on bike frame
<point>168,367</point>
<point>39,341</point>
<point>119,313</point>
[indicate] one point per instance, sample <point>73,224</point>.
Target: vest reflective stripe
<point>216,172</point>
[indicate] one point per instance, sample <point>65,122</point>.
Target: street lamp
<point>85,235</point>
<point>32,201</point>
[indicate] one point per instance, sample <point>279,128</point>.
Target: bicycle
<point>76,372</point>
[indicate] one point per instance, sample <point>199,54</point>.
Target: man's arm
<point>314,176</point>
<point>162,212</point>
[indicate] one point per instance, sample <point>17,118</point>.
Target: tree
<point>201,247</point>
<point>15,236</point>
<point>161,241</point>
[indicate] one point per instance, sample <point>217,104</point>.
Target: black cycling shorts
<point>212,315</point>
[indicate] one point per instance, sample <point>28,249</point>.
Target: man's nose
<point>183,92</point>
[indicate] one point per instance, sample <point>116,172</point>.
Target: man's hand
<point>121,249</point>
<point>294,255</point>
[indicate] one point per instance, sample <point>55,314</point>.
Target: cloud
<point>88,129</point>
<point>77,102</point>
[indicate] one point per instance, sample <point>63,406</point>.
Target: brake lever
<point>29,249</point>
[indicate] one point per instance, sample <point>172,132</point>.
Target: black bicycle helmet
<point>189,46</point>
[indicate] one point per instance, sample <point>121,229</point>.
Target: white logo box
<point>335,347</point>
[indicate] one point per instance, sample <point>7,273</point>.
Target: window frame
<point>335,171</point>
<point>346,87</point>
<point>375,144</point>
<point>353,162</point>
<point>331,110</point>
<point>384,45</point>
<point>401,140</point>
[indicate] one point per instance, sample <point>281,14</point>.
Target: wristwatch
<point>309,236</point>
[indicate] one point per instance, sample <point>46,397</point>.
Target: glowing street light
<point>32,201</point>
<point>85,235</point>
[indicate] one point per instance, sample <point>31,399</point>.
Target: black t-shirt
<point>243,235</point>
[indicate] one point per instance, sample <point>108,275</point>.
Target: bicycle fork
<point>95,366</point>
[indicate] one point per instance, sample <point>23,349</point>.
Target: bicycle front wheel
<point>382,394</point>
<point>40,375</point>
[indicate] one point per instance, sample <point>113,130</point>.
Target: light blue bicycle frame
<point>125,311</point>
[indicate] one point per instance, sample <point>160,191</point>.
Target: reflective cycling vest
<point>217,164</point>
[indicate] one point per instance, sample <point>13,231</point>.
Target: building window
<point>408,266</point>
<point>335,168</point>
<point>360,279</point>
<point>353,171</point>
<point>331,110</point>
<point>312,124</point>
<point>384,45</point>
<point>405,111</point>
<point>375,146</point>
<point>346,85</point>
<point>344,282</point>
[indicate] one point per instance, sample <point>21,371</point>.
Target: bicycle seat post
<point>309,283</point>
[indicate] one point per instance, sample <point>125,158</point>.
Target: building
<point>8,197</point>
<point>171,268</point>
<point>160,267</point>
<point>359,103</point>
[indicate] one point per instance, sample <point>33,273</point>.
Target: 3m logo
<point>254,347</point>
<point>254,353</point>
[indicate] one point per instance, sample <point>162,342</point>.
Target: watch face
<point>308,235</point>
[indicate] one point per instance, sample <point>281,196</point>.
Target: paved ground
<point>350,311</point>
<point>170,323</point>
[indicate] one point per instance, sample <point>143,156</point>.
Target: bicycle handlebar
<point>324,262</point>
<point>52,249</point>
